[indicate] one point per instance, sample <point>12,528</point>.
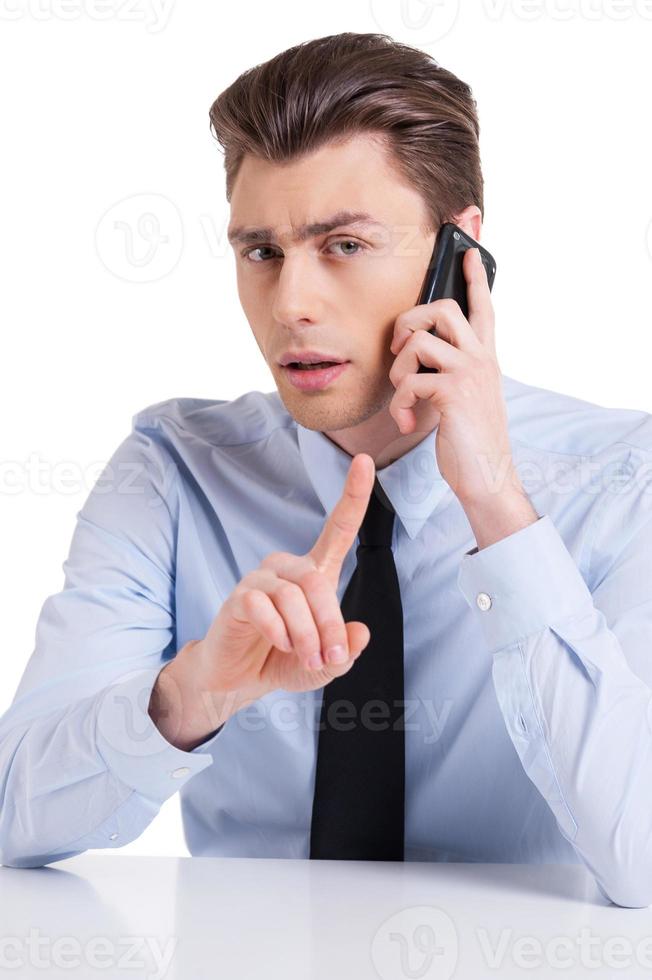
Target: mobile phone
<point>445,275</point>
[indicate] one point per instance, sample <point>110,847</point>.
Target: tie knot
<point>378,523</point>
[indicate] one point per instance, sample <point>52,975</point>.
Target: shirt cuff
<point>522,584</point>
<point>133,748</point>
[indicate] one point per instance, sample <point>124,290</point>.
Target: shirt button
<point>483,600</point>
<point>113,836</point>
<point>180,773</point>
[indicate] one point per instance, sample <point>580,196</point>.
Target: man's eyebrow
<point>256,235</point>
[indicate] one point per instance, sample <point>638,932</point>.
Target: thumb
<point>358,637</point>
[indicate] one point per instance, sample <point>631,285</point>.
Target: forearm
<point>576,712</point>
<point>584,738</point>
<point>90,774</point>
<point>184,708</point>
<point>54,803</point>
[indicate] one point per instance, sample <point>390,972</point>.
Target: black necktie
<point>358,806</point>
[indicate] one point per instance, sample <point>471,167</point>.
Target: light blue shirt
<point>528,663</point>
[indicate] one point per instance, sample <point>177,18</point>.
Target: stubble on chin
<point>330,411</point>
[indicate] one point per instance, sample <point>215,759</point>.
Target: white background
<point>107,100</point>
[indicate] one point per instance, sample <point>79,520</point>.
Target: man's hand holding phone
<point>472,436</point>
<point>273,632</point>
<point>472,441</point>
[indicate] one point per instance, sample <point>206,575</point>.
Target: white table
<point>235,918</point>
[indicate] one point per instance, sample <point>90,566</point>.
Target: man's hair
<point>326,90</point>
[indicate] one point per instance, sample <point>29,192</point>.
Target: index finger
<point>340,530</point>
<point>481,311</point>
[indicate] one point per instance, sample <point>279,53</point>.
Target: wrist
<point>498,516</point>
<point>184,707</point>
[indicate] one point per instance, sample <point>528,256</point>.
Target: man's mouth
<point>323,373</point>
<point>298,366</point>
<point>301,359</point>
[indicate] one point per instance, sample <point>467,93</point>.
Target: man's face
<point>337,292</point>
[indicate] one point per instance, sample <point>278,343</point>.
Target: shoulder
<point>249,418</point>
<point>558,423</point>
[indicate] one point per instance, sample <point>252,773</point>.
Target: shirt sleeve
<point>571,671</point>
<point>82,764</point>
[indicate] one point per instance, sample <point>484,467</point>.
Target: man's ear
<point>470,221</point>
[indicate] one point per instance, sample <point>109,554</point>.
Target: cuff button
<point>483,601</point>
<point>180,772</point>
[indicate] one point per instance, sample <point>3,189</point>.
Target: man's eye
<point>257,248</point>
<point>248,252</point>
<point>348,241</point>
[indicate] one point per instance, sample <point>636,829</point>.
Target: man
<point>497,708</point>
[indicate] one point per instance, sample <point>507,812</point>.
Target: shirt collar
<point>412,482</point>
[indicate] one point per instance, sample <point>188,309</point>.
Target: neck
<point>380,438</point>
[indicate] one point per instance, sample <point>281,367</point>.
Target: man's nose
<point>297,295</point>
